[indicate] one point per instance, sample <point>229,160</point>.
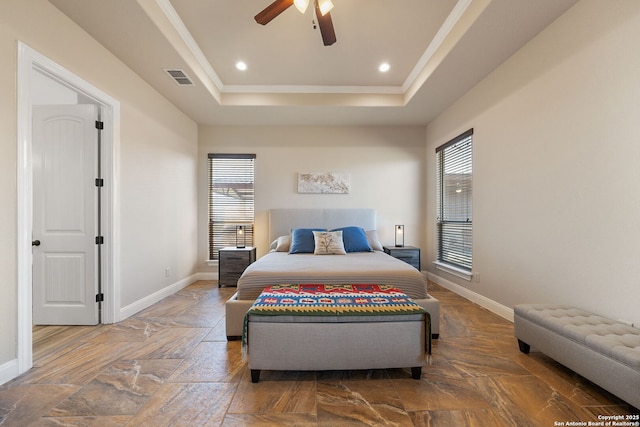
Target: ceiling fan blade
<point>272,11</point>
<point>326,27</point>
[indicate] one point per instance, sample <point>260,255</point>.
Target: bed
<point>281,267</point>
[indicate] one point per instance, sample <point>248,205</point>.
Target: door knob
<point>35,243</point>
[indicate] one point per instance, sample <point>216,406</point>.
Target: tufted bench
<point>600,349</point>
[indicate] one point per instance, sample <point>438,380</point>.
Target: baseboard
<point>8,371</point>
<point>207,276</point>
<point>149,300</point>
<point>491,305</point>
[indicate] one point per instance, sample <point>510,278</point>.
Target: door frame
<point>29,60</point>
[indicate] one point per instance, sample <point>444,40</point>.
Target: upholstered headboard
<point>281,221</point>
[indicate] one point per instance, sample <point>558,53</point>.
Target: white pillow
<point>328,243</point>
<point>374,241</point>
<point>281,244</point>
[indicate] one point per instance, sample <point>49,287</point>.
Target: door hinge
<point>99,240</point>
<point>99,297</point>
<point>99,125</point>
<point>99,182</point>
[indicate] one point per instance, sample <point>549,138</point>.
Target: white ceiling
<point>437,49</point>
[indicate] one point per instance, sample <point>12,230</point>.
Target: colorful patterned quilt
<point>324,300</point>
<point>335,300</point>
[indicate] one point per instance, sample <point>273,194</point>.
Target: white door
<point>65,159</point>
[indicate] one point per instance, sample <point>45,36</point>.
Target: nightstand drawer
<point>229,279</point>
<point>234,261</point>
<point>408,254</point>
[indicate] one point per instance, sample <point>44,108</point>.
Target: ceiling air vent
<point>179,77</point>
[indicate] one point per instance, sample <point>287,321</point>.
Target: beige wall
<point>386,164</point>
<point>157,161</point>
<point>556,166</point>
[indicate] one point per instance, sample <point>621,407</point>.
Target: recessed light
<point>384,67</point>
<point>241,65</point>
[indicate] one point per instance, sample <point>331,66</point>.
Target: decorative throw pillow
<point>328,243</point>
<point>355,239</point>
<point>302,241</point>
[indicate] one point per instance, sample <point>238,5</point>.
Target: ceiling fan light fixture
<point>325,6</point>
<point>301,5</point>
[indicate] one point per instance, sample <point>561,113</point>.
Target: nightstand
<point>232,262</point>
<point>408,254</point>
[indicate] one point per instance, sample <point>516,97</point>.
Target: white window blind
<point>454,202</point>
<point>231,199</point>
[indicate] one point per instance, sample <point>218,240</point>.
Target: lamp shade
<point>399,235</point>
<point>240,236</point>
<point>301,5</point>
<point>325,6</point>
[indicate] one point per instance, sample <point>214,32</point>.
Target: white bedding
<point>355,268</point>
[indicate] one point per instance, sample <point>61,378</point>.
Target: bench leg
<point>255,375</point>
<point>524,347</point>
<point>416,372</point>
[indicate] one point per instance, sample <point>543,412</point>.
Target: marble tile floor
<point>170,365</point>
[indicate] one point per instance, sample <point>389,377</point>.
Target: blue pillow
<point>355,239</point>
<point>302,241</point>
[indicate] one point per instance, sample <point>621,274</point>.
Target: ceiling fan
<point>322,9</point>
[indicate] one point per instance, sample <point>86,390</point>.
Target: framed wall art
<point>324,183</point>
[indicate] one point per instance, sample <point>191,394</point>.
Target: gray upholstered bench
<point>317,327</point>
<point>318,343</point>
<point>600,349</point>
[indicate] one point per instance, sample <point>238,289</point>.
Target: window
<point>454,204</point>
<point>230,199</point>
